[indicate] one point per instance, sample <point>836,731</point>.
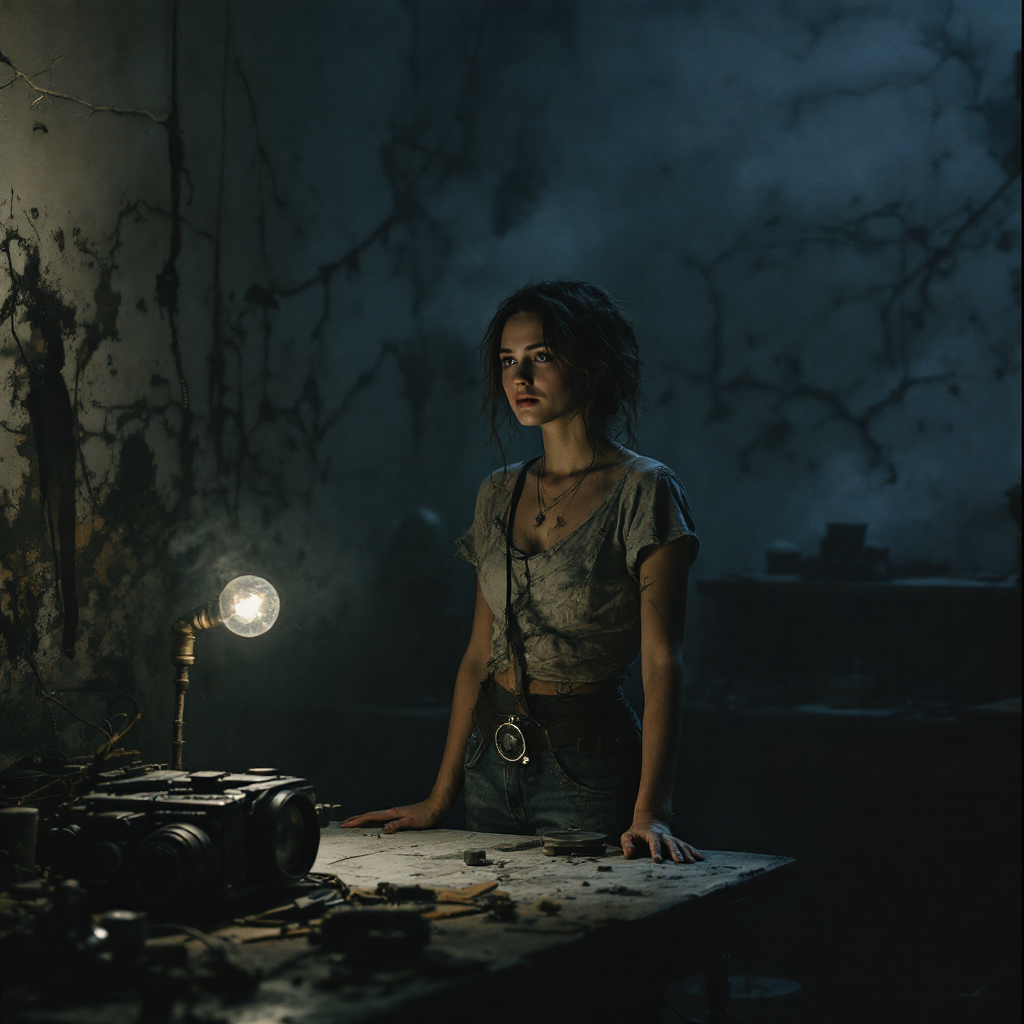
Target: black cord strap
<point>513,634</point>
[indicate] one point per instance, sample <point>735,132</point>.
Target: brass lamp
<point>248,606</point>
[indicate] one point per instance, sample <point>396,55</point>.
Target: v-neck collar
<point>562,540</point>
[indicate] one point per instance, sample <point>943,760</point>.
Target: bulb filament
<point>248,608</point>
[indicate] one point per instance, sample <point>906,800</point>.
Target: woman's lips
<point>525,401</point>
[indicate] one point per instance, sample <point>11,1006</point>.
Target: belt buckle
<point>510,742</point>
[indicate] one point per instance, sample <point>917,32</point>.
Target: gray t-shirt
<point>578,603</point>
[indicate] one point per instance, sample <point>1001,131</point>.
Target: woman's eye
<point>541,357</point>
<point>507,361</point>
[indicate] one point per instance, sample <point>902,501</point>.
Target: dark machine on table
<point>151,837</point>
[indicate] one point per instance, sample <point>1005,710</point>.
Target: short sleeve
<point>659,515</point>
<point>470,545</point>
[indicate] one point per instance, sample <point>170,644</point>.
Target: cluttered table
<point>401,927</point>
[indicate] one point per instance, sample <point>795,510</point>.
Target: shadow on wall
<point>416,638</point>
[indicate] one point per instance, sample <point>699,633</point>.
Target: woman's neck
<point>568,449</point>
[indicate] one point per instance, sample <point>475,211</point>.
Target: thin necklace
<point>571,489</point>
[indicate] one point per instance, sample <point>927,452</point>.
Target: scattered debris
<point>548,906</point>
<point>447,910</point>
<point>604,867</point>
<point>476,858</point>
<point>361,895</point>
<point>375,936</point>
<point>499,906</point>
<point>438,903</point>
<point>405,893</point>
<point>243,933</point>
<point>325,878</point>
<point>525,844</point>
<point>312,904</point>
<point>622,890</point>
<point>467,893</point>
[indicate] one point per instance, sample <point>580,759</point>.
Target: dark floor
<point>906,902</point>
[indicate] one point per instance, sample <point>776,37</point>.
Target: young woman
<point>589,571</point>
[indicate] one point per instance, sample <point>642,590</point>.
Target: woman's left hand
<point>655,835</point>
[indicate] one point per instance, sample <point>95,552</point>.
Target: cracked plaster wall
<point>253,292</point>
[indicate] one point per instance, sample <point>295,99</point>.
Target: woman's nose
<point>524,372</point>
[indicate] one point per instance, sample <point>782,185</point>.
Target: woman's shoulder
<point>643,472</point>
<point>654,507</point>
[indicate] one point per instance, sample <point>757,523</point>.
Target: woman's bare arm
<point>428,813</point>
<point>663,577</point>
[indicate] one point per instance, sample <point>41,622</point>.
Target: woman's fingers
<point>687,854</point>
<point>654,842</point>
<point>398,823</point>
<point>370,818</point>
<point>396,819</point>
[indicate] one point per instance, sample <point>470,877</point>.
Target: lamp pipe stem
<point>183,641</point>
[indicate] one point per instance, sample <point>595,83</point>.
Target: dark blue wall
<point>301,216</point>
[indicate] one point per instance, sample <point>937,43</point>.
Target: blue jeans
<point>562,788</point>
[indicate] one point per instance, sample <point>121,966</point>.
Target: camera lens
<point>173,863</point>
<point>290,835</point>
<point>103,861</point>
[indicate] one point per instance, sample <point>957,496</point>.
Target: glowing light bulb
<point>249,606</point>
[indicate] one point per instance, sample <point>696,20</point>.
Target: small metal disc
<point>572,839</point>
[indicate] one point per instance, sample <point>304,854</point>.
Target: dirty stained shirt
<point>578,603</point>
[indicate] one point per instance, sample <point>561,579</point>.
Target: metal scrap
<point>304,907</point>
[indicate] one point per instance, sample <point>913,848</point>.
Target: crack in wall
<point>901,308</point>
<point>415,168</point>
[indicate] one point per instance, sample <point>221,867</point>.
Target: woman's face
<point>533,384</point>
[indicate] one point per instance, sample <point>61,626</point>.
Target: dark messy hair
<point>592,344</point>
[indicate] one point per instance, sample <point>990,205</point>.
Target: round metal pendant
<point>510,742</point>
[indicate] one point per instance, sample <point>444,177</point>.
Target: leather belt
<point>584,727</point>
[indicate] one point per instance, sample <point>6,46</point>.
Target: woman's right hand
<point>426,814</point>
